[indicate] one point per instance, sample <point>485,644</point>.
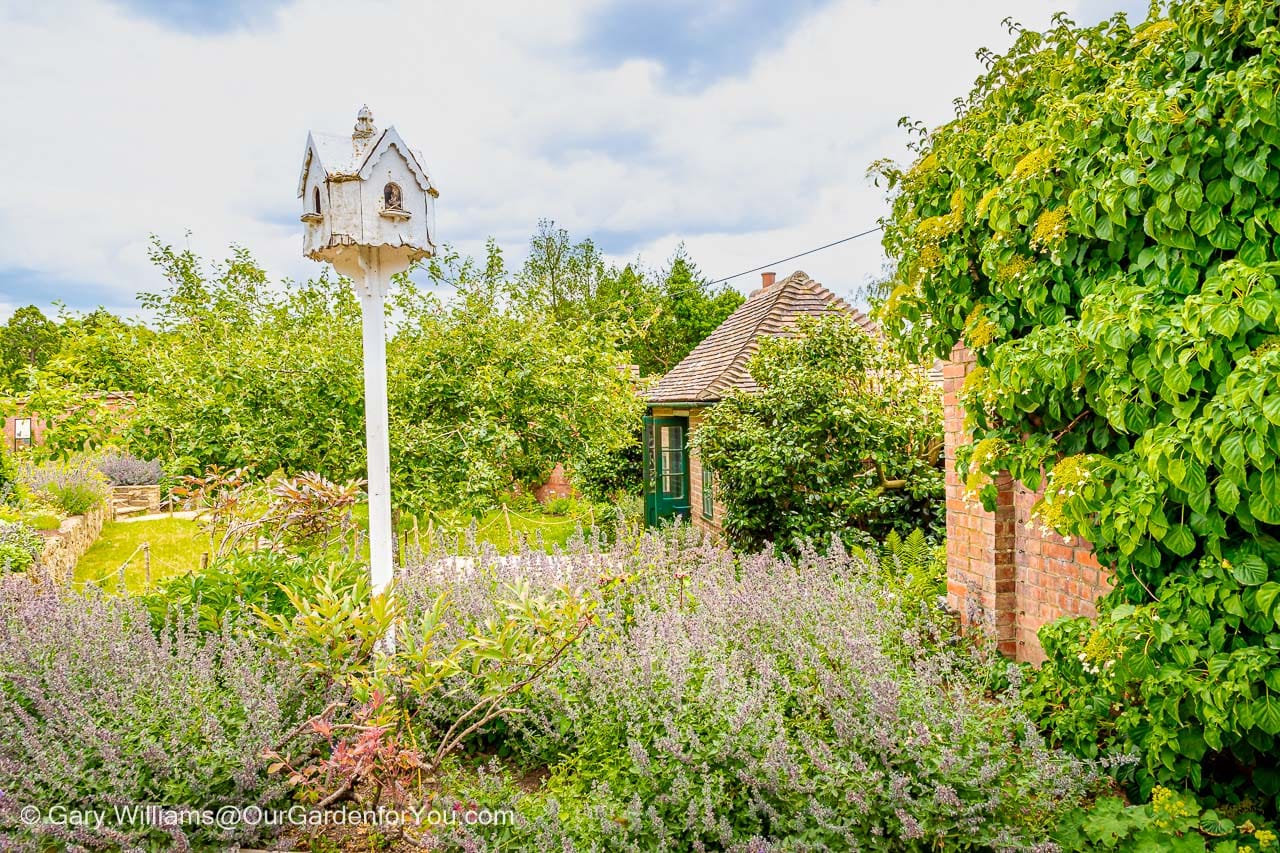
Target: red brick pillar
<point>981,571</point>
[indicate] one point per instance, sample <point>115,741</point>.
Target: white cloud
<point>115,127</point>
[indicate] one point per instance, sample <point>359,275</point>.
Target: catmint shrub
<point>98,711</point>
<point>73,486</point>
<point>125,469</point>
<point>757,702</point>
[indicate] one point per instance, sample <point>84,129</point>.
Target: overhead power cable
<point>793,257</point>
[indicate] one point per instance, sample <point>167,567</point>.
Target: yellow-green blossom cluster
<point>1100,653</point>
<point>983,203</point>
<point>979,329</point>
<point>1168,807</point>
<point>1050,229</point>
<point>984,453</point>
<point>936,228</point>
<point>1014,269</point>
<point>1036,162</point>
<point>1270,344</point>
<point>901,293</point>
<point>928,260</point>
<point>1068,479</point>
<point>927,163</point>
<point>1152,32</point>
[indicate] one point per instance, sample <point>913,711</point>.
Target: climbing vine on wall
<point>1100,224</point>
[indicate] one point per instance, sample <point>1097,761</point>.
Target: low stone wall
<point>64,547</point>
<point>134,500</point>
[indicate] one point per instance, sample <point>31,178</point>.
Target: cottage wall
<point>1001,569</point>
<point>38,426</point>
<point>712,524</point>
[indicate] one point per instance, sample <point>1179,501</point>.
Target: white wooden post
<point>373,290</point>
<point>368,208</point>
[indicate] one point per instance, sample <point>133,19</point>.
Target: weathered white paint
<point>368,243</point>
<point>351,173</point>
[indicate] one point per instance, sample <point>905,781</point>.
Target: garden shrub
<point>99,711</point>
<point>11,488</point>
<point>605,473</point>
<point>723,702</point>
<point>1099,225</point>
<point>73,486</point>
<point>125,469</point>
<point>244,581</point>
<point>20,546</point>
<point>1178,679</point>
<point>1170,823</point>
<point>844,437</point>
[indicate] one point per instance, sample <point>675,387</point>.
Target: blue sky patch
<point>695,43</point>
<point>205,17</point>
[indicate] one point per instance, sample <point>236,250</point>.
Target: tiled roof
<point>719,363</point>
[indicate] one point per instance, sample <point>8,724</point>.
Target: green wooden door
<point>666,468</point>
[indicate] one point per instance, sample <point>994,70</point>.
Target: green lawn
<point>176,545</point>
<point>492,528</point>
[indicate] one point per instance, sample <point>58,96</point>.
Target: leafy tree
<point>1099,224</point>
<point>486,396</point>
<point>102,352</point>
<point>844,437</point>
<point>245,374</point>
<point>657,317</point>
<point>563,280</point>
<point>27,341</point>
<point>686,310</point>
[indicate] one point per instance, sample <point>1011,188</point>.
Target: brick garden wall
<point>1001,569</point>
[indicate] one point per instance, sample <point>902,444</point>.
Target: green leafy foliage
<point>247,581</point>
<point>1170,823</point>
<point>844,437</point>
<point>485,396</point>
<point>1099,224</point>
<point>72,487</point>
<point>659,317</point>
<point>914,568</point>
<point>20,546</point>
<point>1178,678</point>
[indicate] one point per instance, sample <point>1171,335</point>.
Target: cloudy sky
<point>743,129</point>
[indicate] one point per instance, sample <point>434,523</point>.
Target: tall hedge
<point>1100,224</point>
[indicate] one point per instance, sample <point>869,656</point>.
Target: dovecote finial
<point>364,124</point>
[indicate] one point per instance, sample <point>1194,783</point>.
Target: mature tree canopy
<point>658,317</point>
<point>485,392</point>
<point>27,341</point>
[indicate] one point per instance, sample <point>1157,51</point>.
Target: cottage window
<point>21,432</point>
<point>315,200</point>
<point>708,492</point>
<point>672,462</point>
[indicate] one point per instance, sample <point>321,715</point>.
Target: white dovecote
<point>367,189</point>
